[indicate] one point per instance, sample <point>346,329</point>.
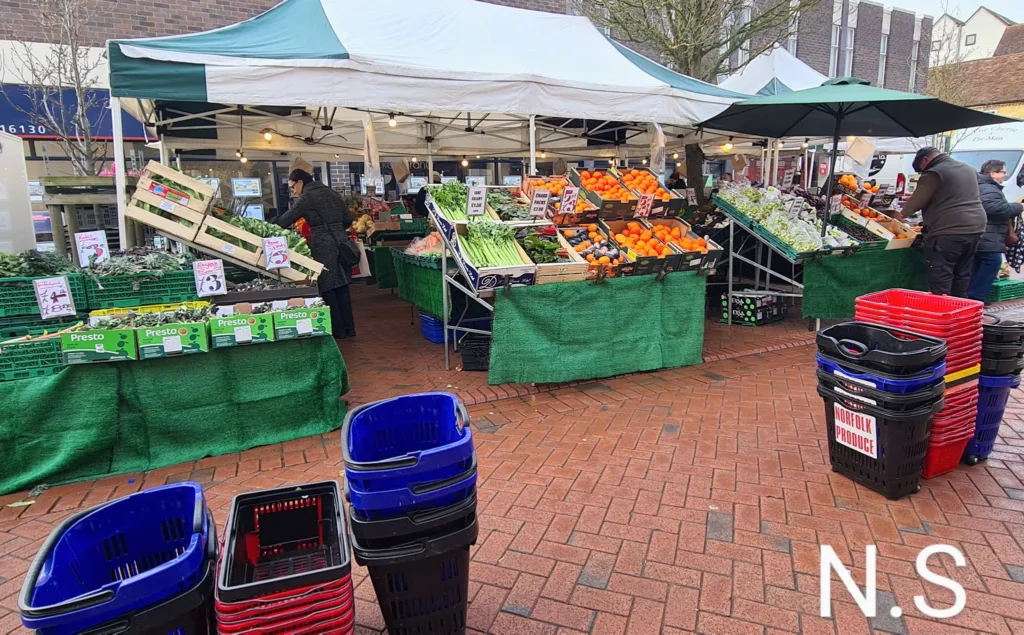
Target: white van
<point>1004,143</point>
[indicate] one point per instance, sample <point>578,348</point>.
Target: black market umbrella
<point>847,106</point>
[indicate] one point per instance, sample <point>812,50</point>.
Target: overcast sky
<point>1013,9</point>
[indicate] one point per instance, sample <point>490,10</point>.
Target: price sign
<point>517,181</point>
<point>643,208</point>
<point>837,203</point>
<point>53,298</point>
<point>378,185</point>
<point>539,203</point>
<point>209,276</point>
<point>865,199</point>
<point>823,168</point>
<point>91,244</point>
<point>691,196</point>
<point>794,207</point>
<point>570,196</point>
<point>275,250</point>
<point>476,200</point>
<point>787,177</point>
<point>476,180</point>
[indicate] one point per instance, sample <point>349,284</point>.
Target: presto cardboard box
<point>237,325</point>
<point>297,319</point>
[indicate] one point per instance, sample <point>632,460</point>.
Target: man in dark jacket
<point>1000,214</point>
<point>954,220</point>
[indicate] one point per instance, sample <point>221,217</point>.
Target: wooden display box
<point>644,264</point>
<point>487,278</point>
<point>691,260</point>
<point>182,189</point>
<point>295,272</point>
<point>575,271</point>
<point>174,219</point>
<point>607,209</point>
<point>622,270</point>
<point>250,251</point>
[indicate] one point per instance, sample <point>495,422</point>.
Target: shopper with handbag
<point>329,241</point>
<point>998,233</point>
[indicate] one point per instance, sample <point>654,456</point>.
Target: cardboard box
<point>295,322</point>
<point>241,328</point>
<point>171,340</point>
<point>99,345</point>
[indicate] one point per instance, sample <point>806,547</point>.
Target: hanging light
<point>478,156</point>
<point>244,159</point>
<point>238,154</point>
<point>675,155</point>
<point>850,138</point>
<point>337,156</point>
<point>678,164</point>
<point>728,145</point>
<point>543,155</point>
<point>268,135</point>
<point>643,161</point>
<point>804,144</point>
<point>415,160</point>
<point>391,120</point>
<point>465,162</point>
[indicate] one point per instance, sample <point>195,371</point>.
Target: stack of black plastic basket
<point>410,472</point>
<point>1002,359</point>
<point>882,387</point>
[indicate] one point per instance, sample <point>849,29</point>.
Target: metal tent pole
<point>831,172</point>
<point>533,145</point>
<point>120,175</point>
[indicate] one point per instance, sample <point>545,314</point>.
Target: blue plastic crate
<point>117,558</point>
<point>993,395</point>
<point>432,328</point>
<point>882,381</point>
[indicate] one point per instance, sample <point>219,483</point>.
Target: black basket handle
<point>460,412</point>
<point>853,348</point>
<point>451,480</point>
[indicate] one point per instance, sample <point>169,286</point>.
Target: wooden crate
<point>200,203</point>
<point>175,219</point>
<point>249,252</point>
<point>575,271</point>
<point>290,273</point>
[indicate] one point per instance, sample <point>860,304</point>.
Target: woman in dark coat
<point>989,255</point>
<point>328,218</point>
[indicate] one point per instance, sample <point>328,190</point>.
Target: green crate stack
<point>18,296</point>
<point>32,358</point>
<point>34,325</point>
<point>140,289</point>
<point>1004,290</point>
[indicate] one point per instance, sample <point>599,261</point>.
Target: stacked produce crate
<point>410,470</point>
<point>1002,359</point>
<point>145,563</point>
<point>286,566</point>
<point>882,388</point>
<point>958,322</point>
<point>753,308</point>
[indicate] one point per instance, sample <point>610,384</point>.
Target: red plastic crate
<point>923,304</point>
<point>943,458</point>
<point>284,609</point>
<point>327,617</point>
<point>273,601</point>
<point>969,330</point>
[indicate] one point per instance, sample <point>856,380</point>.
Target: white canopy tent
<point>776,71</point>
<point>457,76</point>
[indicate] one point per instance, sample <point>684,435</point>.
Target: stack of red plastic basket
<point>957,321</point>
<point>286,566</point>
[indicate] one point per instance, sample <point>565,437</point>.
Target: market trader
<point>1001,213</point>
<point>328,218</point>
<point>954,220</point>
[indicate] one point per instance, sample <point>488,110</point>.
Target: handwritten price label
<point>643,208</point>
<point>570,196</point>
<point>209,276</point>
<point>275,249</point>
<point>476,200</point>
<point>53,298</point>
<point>539,203</point>
<point>91,244</point>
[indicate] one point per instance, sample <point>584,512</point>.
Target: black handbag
<point>348,252</point>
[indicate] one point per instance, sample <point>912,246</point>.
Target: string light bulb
<point>268,135</point>
<point>465,162</point>
<point>244,159</point>
<point>850,138</point>
<point>238,154</point>
<point>543,155</point>
<point>678,164</point>
<point>728,144</point>
<point>643,161</point>
<point>415,160</point>
<point>805,143</point>
<point>392,122</point>
<point>675,155</point>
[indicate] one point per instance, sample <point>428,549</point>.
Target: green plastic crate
<point>34,325</point>
<point>34,358</point>
<point>18,296</point>
<point>1004,290</point>
<point>140,289</point>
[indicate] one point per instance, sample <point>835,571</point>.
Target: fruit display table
<point>833,283</point>
<point>95,420</point>
<point>582,330</point>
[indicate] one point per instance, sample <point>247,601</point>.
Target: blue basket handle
<point>448,482</point>
<point>853,349</point>
<point>75,604</point>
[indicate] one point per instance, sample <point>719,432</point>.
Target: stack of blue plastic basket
<point>410,471</point>
<point>145,563</point>
<point>1002,358</point>
<point>882,387</point>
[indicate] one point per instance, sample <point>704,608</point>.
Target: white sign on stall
<point>91,244</point>
<point>787,177</point>
<point>476,180</point>
<point>643,208</point>
<point>856,430</point>
<point>53,297</point>
<point>516,181</point>
<point>539,202</point>
<point>476,200</point>
<point>209,276</point>
<point>570,196</point>
<point>275,250</point>
<point>691,196</point>
<point>378,185</point>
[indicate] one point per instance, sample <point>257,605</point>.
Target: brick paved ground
<point>688,500</point>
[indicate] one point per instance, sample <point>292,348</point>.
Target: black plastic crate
<point>476,351</point>
<point>881,348</point>
<point>900,402</point>
<point>1000,331</point>
<point>282,539</point>
<point>389,533</point>
<point>902,442</point>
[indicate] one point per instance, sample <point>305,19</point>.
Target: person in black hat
<point>954,220</point>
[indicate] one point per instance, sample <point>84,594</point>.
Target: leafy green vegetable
<point>490,244</point>
<point>506,205</point>
<point>140,260</point>
<point>450,198</point>
<point>32,263</point>
<point>542,248</point>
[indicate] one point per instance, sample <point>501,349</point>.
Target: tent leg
<point>533,145</point>
<point>120,175</point>
<point>831,173</point>
<point>163,151</point>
